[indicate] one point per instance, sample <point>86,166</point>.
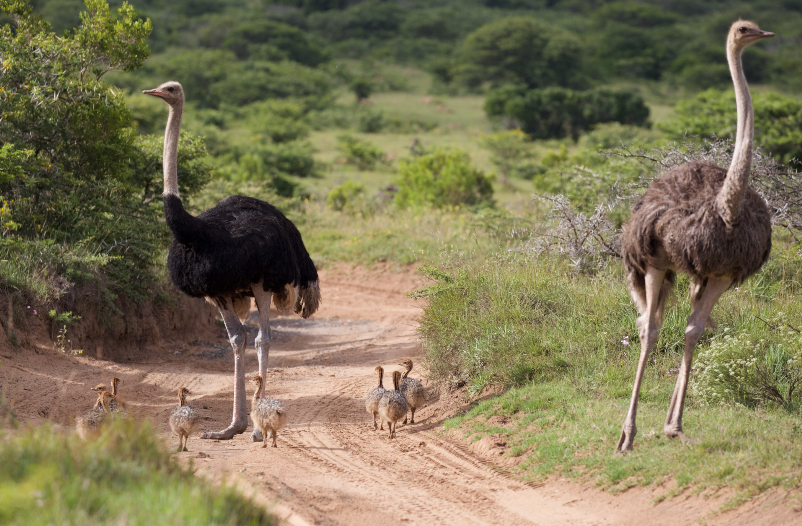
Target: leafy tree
<point>440,178</point>
<point>558,112</point>
<point>270,40</point>
<point>76,181</point>
<point>520,51</point>
<point>778,121</point>
<point>366,20</point>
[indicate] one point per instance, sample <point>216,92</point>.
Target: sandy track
<point>331,467</point>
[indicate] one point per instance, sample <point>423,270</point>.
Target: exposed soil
<point>331,467</point>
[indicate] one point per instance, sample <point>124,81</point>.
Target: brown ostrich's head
<point>170,92</point>
<point>100,388</point>
<point>744,32</point>
<point>256,380</point>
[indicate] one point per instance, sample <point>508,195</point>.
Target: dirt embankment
<point>331,467</point>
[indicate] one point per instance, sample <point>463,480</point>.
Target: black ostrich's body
<point>227,249</point>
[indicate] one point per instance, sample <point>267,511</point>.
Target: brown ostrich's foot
<point>673,432</point>
<point>256,436</point>
<point>226,434</point>
<point>626,441</point>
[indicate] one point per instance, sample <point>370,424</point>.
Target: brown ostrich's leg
<point>262,341</point>
<point>648,331</point>
<point>238,339</point>
<point>696,327</point>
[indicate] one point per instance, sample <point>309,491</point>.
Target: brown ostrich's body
<point>704,221</point>
<point>676,226</point>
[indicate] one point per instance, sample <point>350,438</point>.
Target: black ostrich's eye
<point>171,89</point>
<point>742,30</point>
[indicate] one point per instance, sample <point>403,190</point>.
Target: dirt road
<point>331,467</point>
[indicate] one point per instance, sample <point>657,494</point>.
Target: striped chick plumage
<point>373,398</point>
<point>393,405</point>
<point>183,420</point>
<point>413,390</point>
<point>268,414</point>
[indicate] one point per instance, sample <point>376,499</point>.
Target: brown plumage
<point>393,405</point>
<point>702,220</point>
<point>183,420</point>
<point>412,389</point>
<point>116,404</point>
<point>372,400</point>
<point>89,424</point>
<point>268,414</point>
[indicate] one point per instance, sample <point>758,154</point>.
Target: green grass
<point>570,428</point>
<point>124,477</point>
<point>566,347</point>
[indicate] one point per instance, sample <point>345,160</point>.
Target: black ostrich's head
<point>170,92</point>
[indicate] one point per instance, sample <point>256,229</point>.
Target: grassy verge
<point>124,477</point>
<point>567,347</point>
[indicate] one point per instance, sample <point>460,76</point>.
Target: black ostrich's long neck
<point>186,228</point>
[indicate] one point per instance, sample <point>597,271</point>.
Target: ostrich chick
<point>268,414</point>
<point>89,423</point>
<point>183,419</point>
<point>412,389</point>
<point>372,401</point>
<point>115,404</point>
<point>393,405</point>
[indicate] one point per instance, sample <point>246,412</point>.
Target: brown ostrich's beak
<point>764,34</point>
<point>156,92</point>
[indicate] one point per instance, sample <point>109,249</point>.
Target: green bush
<point>557,112</point>
<point>262,39</point>
<point>778,121</point>
<point>511,153</point>
<point>362,154</point>
<point>751,372</point>
<point>348,197</point>
<point>124,476</point>
<point>442,177</point>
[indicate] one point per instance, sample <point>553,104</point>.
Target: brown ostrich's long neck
<point>182,399</point>
<point>380,373</point>
<point>186,228</point>
<point>397,381</point>
<point>406,372</point>
<point>730,197</point>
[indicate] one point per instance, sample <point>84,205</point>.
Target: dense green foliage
<point>558,112</point>
<point>124,476</point>
<point>80,188</point>
<point>440,178</point>
<point>778,121</point>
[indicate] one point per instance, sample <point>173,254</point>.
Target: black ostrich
<point>242,248</point>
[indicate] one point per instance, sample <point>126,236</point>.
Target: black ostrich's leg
<point>262,341</point>
<point>238,339</point>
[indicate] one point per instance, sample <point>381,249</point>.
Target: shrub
<point>442,177</point>
<point>509,150</point>
<point>348,197</point>
<point>263,39</point>
<point>738,369</point>
<point>362,88</point>
<point>556,112</point>
<point>360,153</point>
<point>778,121</point>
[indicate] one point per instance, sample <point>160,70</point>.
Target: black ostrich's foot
<point>256,436</point>
<point>226,434</point>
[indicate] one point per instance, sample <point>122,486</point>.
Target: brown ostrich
<point>702,220</point>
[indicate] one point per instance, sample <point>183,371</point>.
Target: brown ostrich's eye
<point>742,30</point>
<point>171,88</point>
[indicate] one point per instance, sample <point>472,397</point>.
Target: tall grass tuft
<point>123,477</point>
